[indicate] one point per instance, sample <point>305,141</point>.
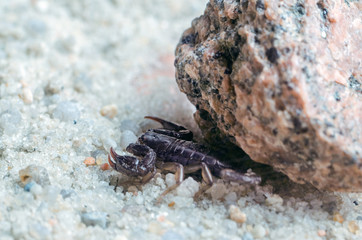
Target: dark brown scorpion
<point>171,149</point>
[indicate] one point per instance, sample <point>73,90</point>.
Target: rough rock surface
<point>282,79</point>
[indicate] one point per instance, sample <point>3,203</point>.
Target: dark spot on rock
<point>275,131</point>
<point>300,9</point>
<point>313,154</point>
<point>234,53</point>
<point>245,3</point>
<point>189,39</point>
<point>227,71</point>
<point>260,5</point>
<point>218,54</point>
<point>219,4</point>
<point>320,5</point>
<point>205,115</point>
<point>196,92</point>
<point>298,128</point>
<point>272,54</point>
<point>354,84</point>
<point>256,40</point>
<point>337,97</point>
<point>215,91</point>
<point>306,142</point>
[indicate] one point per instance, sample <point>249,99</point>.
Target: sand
<point>76,78</point>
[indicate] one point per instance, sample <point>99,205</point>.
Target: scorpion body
<point>171,149</point>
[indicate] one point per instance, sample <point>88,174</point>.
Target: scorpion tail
<point>166,124</point>
<point>233,176</point>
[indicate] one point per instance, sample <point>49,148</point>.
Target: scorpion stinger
<point>171,129</point>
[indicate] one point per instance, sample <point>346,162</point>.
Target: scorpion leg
<point>207,177</point>
<point>172,129</point>
<point>178,169</point>
<point>233,176</point>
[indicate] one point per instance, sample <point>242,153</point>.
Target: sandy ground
<point>76,78</point>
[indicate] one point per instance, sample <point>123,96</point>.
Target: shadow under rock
<point>227,152</point>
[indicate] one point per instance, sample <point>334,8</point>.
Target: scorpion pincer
<point>171,148</point>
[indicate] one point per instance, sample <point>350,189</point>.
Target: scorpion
<point>171,148</point>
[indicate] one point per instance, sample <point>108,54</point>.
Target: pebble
<point>258,231</point>
<point>188,188</point>
<point>53,87</point>
<point>132,189</point>
<point>39,231</point>
<point>105,166</point>
<point>130,125</point>
<point>236,214</point>
<point>127,137</point>
<point>156,228</point>
<point>109,111</point>
<point>10,120</point>
<point>359,218</point>
<point>66,111</point>
<point>218,191</point>
<point>170,179</point>
<point>28,186</point>
<point>95,218</point>
<point>89,161</point>
<point>337,217</point>
<point>274,200</point>
<point>171,235</point>
<point>247,236</point>
<point>353,227</point>
<point>36,189</point>
<point>27,96</point>
<point>231,197</point>
<point>35,26</point>
<point>66,193</point>
<point>321,233</point>
<point>34,173</point>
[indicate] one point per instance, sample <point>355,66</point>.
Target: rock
<point>283,82</point>
<point>127,137</point>
<point>34,173</point>
<point>109,111</point>
<point>10,121</point>
<point>236,214</point>
<point>67,111</point>
<point>95,218</point>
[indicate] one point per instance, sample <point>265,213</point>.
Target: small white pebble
<point>218,191</point>
<point>27,96</point>
<point>236,214</point>
<point>36,189</point>
<point>120,237</point>
<point>156,228</point>
<point>275,201</point>
<point>188,188</point>
<point>231,197</point>
<point>109,111</point>
<point>258,231</point>
<point>127,137</point>
<point>170,179</point>
<point>66,111</point>
<point>139,199</point>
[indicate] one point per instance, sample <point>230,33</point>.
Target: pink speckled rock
<point>282,79</point>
